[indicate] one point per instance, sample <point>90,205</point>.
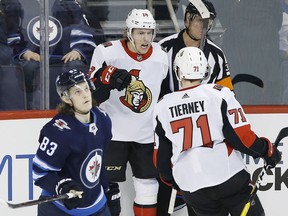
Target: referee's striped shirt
<point>219,70</point>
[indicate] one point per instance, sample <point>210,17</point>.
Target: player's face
<point>142,39</point>
<point>195,27</point>
<point>81,97</point>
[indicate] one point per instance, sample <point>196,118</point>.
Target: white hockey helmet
<point>190,63</point>
<point>140,18</point>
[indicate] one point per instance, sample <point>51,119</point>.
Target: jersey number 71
<point>187,126</point>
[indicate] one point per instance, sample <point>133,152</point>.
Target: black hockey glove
<point>273,155</point>
<point>69,186</point>
<point>113,198</point>
<point>114,77</point>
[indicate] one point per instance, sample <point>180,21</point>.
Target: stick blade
<point>249,79</point>
<point>282,134</point>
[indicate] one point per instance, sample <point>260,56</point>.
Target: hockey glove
<point>113,198</point>
<point>69,186</point>
<point>273,156</point>
<point>114,77</point>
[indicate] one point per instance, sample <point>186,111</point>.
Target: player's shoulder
<point>158,47</point>
<point>159,52</point>
<point>60,129</point>
<point>59,122</point>
<point>100,112</point>
<point>218,90</point>
<point>102,117</point>
<point>108,45</point>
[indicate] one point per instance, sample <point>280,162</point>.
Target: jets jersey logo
<point>54,31</point>
<point>61,124</point>
<point>138,97</point>
<point>91,167</point>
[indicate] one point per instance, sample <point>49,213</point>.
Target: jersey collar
<point>136,56</point>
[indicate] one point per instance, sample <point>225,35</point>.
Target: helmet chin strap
<point>132,41</point>
<point>133,44</point>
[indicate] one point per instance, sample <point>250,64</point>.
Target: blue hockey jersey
<point>71,149</point>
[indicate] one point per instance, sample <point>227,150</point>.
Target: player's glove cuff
<point>69,186</point>
<point>114,77</point>
<point>273,156</point>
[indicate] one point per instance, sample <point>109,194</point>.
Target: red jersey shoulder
<point>218,87</point>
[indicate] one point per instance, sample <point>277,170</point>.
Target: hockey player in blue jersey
<point>70,153</point>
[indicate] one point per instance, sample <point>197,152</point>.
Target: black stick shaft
<point>39,201</point>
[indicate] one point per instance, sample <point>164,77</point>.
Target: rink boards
<point>19,141</point>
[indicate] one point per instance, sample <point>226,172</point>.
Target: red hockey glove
<point>69,186</point>
<point>114,77</point>
<point>273,156</point>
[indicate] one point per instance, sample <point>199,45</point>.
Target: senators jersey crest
<point>138,97</point>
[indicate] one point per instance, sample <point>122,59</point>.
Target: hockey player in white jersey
<point>129,75</point>
<point>200,132</point>
<point>219,71</point>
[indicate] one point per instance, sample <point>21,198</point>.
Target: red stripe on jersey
<point>229,147</point>
<point>155,157</point>
<point>246,135</point>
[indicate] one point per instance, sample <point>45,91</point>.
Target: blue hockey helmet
<point>70,78</point>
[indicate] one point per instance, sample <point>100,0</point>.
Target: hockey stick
<point>248,78</point>
<point>172,201</point>
<point>172,15</point>
<point>282,134</point>
<point>205,14</point>
<point>39,201</point>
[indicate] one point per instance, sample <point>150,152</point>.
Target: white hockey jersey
<point>197,132</point>
<point>131,109</point>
